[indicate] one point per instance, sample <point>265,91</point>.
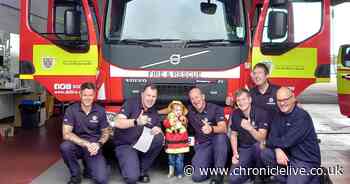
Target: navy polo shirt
<point>86,126</point>
<point>260,120</point>
<point>295,134</point>
<point>212,113</point>
<point>267,100</point>
<point>132,109</point>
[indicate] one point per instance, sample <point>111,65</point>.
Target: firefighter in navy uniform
<point>85,130</point>
<point>249,126</point>
<point>137,113</point>
<point>292,141</point>
<point>263,96</point>
<point>263,93</point>
<point>211,145</point>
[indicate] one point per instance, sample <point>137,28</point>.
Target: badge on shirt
<point>94,119</point>
<point>271,101</point>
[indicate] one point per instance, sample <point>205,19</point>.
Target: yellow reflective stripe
<point>26,76</point>
<point>339,57</point>
<point>296,63</point>
<point>52,60</point>
<point>177,150</point>
<point>323,80</point>
<point>343,84</point>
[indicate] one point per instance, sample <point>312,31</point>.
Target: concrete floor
<point>319,100</point>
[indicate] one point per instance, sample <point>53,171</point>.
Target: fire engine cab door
<point>292,38</point>
<point>58,45</point>
<point>343,79</point>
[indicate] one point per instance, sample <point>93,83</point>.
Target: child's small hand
<point>178,124</point>
<point>172,123</point>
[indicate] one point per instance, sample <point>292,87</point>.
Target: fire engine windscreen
<point>175,20</point>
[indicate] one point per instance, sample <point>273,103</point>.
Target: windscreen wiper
<point>138,42</point>
<point>159,40</point>
<point>212,42</point>
<point>207,41</point>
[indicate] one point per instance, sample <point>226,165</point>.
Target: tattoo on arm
<point>105,135</point>
<point>234,145</point>
<point>220,127</point>
<point>68,135</point>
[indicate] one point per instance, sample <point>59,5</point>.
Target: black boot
<point>87,175</point>
<point>144,179</point>
<point>74,180</point>
<point>259,180</point>
<point>217,179</point>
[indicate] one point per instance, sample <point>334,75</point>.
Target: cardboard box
<point>6,130</point>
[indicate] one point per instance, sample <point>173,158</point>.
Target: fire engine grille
<point>214,90</point>
<point>171,92</point>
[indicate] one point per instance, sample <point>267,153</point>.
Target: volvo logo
<point>175,59</point>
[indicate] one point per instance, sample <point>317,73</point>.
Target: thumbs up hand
<point>246,124</point>
<point>143,119</point>
<point>206,128</point>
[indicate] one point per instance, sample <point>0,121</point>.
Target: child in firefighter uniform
<point>176,137</point>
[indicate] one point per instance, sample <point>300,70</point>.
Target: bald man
<point>292,141</point>
<point>211,146</point>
